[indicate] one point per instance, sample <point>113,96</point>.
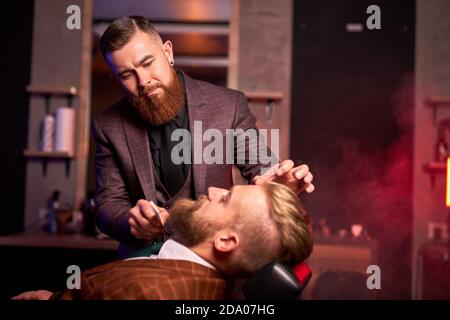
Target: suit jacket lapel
<point>138,144</point>
<point>197,111</point>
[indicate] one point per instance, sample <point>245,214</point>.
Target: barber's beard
<point>160,108</point>
<point>186,226</point>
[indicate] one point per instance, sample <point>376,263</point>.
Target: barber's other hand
<point>144,223</point>
<point>298,178</point>
<point>33,295</point>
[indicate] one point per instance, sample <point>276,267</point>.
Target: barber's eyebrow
<point>143,59</point>
<point>137,64</point>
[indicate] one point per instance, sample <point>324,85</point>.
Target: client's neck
<point>220,260</point>
<point>206,251</point>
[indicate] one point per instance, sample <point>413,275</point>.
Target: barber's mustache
<point>143,91</point>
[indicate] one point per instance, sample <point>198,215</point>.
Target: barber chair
<point>277,281</point>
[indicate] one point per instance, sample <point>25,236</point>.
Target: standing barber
<point>133,137</point>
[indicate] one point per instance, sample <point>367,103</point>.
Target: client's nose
<point>214,193</point>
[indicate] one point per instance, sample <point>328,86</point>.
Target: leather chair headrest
<point>277,281</point>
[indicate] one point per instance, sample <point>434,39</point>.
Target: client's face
<point>191,222</point>
<point>185,225</point>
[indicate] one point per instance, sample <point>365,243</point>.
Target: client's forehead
<point>249,195</point>
<point>249,188</point>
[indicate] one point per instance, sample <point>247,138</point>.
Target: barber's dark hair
<point>120,31</point>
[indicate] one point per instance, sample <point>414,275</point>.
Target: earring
<point>171,62</point>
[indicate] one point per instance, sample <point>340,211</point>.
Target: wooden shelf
<point>52,90</point>
<point>198,28</point>
<point>46,154</point>
<point>434,102</point>
<point>264,95</point>
<point>45,240</point>
<point>434,167</point>
<point>201,62</point>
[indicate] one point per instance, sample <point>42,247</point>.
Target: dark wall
<point>17,25</point>
<point>351,123</point>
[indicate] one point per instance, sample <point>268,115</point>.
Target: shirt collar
<point>180,117</point>
<point>174,250</point>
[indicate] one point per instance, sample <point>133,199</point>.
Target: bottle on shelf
<point>88,209</point>
<point>441,147</point>
<point>52,216</point>
<point>441,150</point>
<point>48,133</point>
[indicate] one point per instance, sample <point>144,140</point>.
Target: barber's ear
<point>168,50</point>
<point>226,241</point>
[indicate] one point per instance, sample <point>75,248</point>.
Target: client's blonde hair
<point>281,234</point>
<point>293,222</point>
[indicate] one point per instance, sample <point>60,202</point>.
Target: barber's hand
<point>144,223</point>
<point>33,295</point>
<point>299,178</point>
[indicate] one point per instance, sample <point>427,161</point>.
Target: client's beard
<point>187,227</point>
<point>160,108</point>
